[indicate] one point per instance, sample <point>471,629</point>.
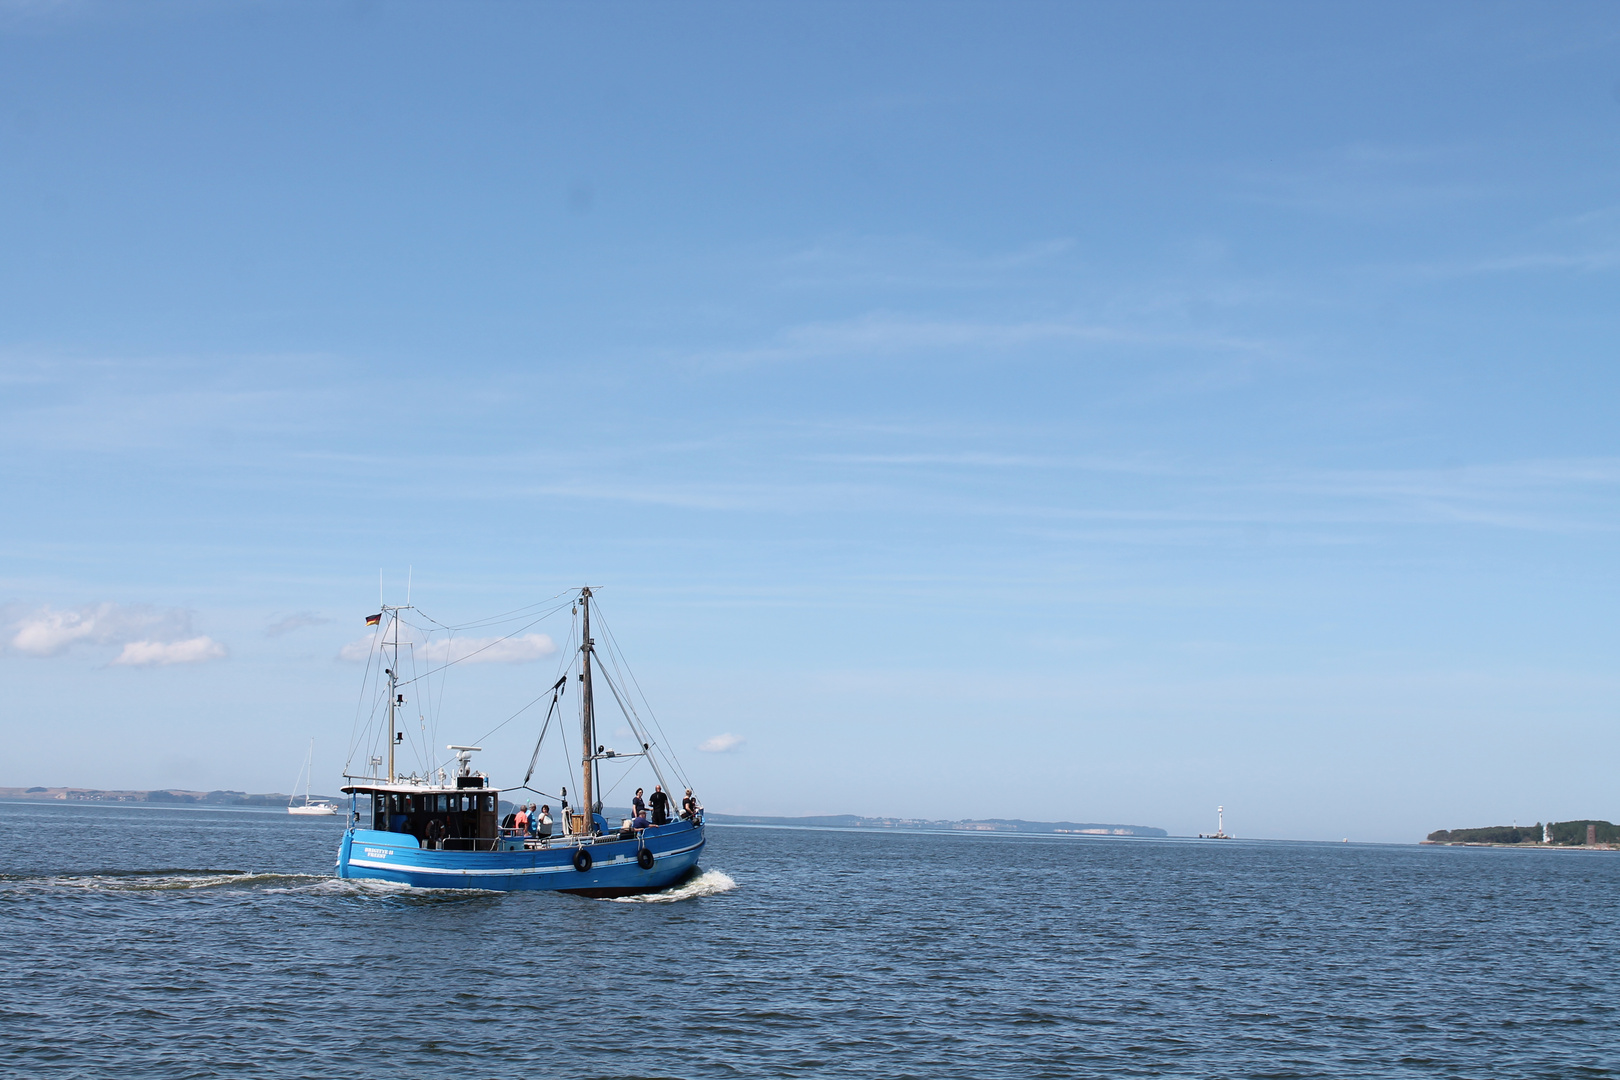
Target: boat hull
<point>614,869</point>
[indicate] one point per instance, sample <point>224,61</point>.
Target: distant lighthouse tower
<point>1220,826</point>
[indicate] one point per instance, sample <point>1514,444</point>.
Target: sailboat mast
<point>587,717</point>
<point>393,680</point>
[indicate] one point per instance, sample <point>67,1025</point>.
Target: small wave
<point>154,881</point>
<point>336,886</point>
<point>708,883</point>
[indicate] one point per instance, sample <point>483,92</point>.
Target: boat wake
<point>140,881</point>
<point>387,890</point>
<point>708,883</point>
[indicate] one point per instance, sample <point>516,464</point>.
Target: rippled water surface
<point>171,943</point>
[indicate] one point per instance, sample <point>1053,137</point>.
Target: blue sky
<point>1072,410</point>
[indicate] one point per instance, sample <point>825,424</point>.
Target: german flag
<point>373,620</point>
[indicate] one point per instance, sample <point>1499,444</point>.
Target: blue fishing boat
<point>434,830</point>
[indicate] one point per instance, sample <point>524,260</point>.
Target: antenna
<point>379,585</point>
<point>464,758</point>
<point>408,571</point>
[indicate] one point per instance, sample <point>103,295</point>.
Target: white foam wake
<point>708,883</point>
<point>155,882</point>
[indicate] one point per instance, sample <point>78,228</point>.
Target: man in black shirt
<point>660,806</point>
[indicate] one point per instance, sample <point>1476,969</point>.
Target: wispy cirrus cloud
<point>298,620</point>
<point>147,635</point>
<point>888,334</point>
<point>722,744</point>
<point>471,650</point>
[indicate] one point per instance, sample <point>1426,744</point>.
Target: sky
<point>1081,411</point>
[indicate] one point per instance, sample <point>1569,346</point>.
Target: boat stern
<point>344,846</point>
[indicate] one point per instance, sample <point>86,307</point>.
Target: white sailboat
<point>306,774</point>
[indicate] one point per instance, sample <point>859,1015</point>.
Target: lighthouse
<point>1220,826</point>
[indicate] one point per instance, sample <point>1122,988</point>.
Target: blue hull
<point>614,871</point>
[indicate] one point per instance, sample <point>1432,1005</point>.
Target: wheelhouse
<point>464,818</point>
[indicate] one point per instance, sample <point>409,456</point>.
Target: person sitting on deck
<point>660,806</point>
<point>640,820</point>
<point>689,806</point>
<point>542,827</point>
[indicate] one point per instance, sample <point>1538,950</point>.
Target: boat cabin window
<point>463,815</point>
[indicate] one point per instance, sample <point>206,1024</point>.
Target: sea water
<point>146,942</point>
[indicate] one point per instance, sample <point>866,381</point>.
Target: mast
<point>393,682</point>
<point>587,717</point>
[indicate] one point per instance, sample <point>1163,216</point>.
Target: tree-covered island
<point>1553,834</point>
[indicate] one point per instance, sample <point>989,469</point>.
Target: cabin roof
<point>414,789</point>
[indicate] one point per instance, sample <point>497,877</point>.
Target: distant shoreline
<point>166,797</point>
<point>179,798</point>
<point>979,825</point>
<point>1519,847</point>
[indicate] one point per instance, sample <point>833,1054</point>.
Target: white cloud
<point>46,631</point>
<point>470,650</point>
<point>722,744</point>
<point>150,653</point>
<point>356,651</point>
<point>296,621</point>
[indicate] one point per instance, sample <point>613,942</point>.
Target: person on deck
<point>660,806</point>
<point>520,820</point>
<point>640,820</point>
<point>638,804</point>
<point>689,806</point>
<point>542,826</point>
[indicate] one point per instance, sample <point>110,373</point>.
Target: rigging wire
<point>502,724</point>
<point>622,777</point>
<point>617,655</point>
<point>494,642</point>
<point>506,616</point>
<point>640,738</point>
<point>354,729</point>
<point>556,692</point>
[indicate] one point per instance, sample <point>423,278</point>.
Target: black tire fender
<point>582,860</point>
<point>644,859</point>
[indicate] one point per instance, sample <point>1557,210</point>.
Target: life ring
<point>644,859</point>
<point>582,860</point>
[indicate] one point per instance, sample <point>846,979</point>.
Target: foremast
<point>395,698</point>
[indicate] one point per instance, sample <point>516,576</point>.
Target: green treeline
<point>1569,833</point>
